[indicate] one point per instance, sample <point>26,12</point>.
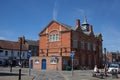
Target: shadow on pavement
<point>10,74</point>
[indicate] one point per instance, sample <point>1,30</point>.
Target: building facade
<point>10,53</point>
<point>58,41</point>
<point>112,57</point>
<point>33,46</point>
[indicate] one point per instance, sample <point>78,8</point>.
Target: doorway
<point>43,64</point>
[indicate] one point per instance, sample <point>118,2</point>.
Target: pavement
<point>86,75</point>
<point>5,74</point>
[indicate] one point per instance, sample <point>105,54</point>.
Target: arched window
<point>53,37</point>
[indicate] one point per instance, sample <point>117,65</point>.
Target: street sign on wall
<point>72,54</point>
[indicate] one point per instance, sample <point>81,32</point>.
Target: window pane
<point>57,37</point>
<point>6,53</point>
<point>82,44</point>
<point>51,38</point>
<point>89,45</point>
<point>94,47</point>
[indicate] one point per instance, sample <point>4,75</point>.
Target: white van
<point>114,66</point>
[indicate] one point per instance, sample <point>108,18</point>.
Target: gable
<point>54,26</point>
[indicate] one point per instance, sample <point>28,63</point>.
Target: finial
<point>85,20</point>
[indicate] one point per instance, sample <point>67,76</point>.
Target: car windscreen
<point>114,66</point>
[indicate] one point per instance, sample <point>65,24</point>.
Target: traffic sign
<point>56,57</point>
<point>28,55</point>
<point>72,54</point>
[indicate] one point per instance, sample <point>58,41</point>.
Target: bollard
<point>29,71</point>
<point>19,74</point>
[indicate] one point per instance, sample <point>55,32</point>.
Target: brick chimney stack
<point>21,39</point>
<point>90,28</point>
<point>77,23</point>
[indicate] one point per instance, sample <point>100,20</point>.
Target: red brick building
<point>112,57</point>
<point>58,40</point>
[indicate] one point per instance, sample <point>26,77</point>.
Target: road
<point>5,74</point>
<point>49,75</point>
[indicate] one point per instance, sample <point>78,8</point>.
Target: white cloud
<point>55,10</point>
<point>6,34</point>
<point>81,12</point>
<point>2,38</point>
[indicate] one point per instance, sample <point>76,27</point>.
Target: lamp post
<point>105,62</point>
<point>72,56</point>
<point>105,55</point>
<point>28,56</point>
<point>20,59</point>
<point>11,61</point>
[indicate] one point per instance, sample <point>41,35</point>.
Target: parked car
<point>114,66</point>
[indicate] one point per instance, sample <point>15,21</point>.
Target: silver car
<point>113,67</point>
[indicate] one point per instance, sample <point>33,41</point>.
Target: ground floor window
<point>53,61</point>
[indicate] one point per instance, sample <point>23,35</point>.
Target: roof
<point>5,44</point>
<point>98,35</point>
<point>65,25</point>
<point>33,42</point>
<point>87,33</point>
<point>85,24</point>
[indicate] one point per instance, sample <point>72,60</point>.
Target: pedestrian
<point>105,70</point>
<point>96,69</point>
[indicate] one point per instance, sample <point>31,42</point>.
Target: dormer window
<point>53,37</point>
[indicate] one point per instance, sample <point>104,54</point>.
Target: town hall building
<point>58,41</point>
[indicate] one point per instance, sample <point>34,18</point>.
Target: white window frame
<point>53,37</point>
<point>37,61</point>
<point>53,61</point>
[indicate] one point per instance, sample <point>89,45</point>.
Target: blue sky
<point>29,17</point>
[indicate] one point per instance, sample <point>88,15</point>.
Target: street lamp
<point>105,62</point>
<point>11,61</point>
<point>28,56</point>
<point>72,56</point>
<point>20,58</point>
<point>22,41</point>
<point>105,55</point>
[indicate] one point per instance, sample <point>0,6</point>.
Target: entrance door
<point>43,64</point>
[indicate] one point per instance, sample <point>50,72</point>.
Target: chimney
<point>90,28</point>
<point>77,23</point>
<point>19,39</point>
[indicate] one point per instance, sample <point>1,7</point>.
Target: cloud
<point>81,12</point>
<point>2,38</point>
<point>55,10</point>
<point>6,34</point>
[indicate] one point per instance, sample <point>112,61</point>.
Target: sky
<point>30,17</point>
